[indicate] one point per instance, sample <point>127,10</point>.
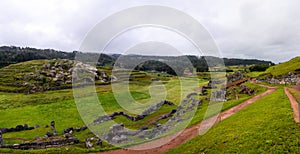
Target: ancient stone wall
<point>41,145</point>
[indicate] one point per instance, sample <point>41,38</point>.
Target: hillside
<point>11,55</point>
<point>266,126</point>
<point>43,75</point>
<point>292,66</point>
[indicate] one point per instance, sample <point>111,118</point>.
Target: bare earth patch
<point>294,104</point>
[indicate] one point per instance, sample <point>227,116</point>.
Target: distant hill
<point>292,66</point>
<point>11,55</point>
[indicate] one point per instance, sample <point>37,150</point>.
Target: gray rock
<point>88,144</point>
<point>1,138</point>
<point>25,126</point>
<point>37,137</point>
<point>99,142</point>
<point>49,134</point>
<point>119,139</point>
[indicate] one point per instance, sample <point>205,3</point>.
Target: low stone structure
<point>119,134</point>
<point>246,90</point>
<point>236,76</point>
<point>133,118</point>
<point>88,144</point>
<point>219,95</point>
<point>41,145</point>
<point>290,78</point>
<point>1,139</point>
<point>53,128</point>
<point>16,129</point>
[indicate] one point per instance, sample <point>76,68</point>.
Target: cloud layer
<point>267,29</point>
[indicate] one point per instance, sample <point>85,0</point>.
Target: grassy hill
<point>265,126</point>
<point>44,75</point>
<point>8,75</point>
<point>292,65</point>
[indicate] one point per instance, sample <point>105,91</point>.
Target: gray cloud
<point>266,29</point>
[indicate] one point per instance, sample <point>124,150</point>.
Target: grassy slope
<point>279,69</point>
<point>255,74</point>
<point>284,68</point>
<point>265,126</point>
<point>7,74</point>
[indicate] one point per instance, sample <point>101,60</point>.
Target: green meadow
<point>266,126</point>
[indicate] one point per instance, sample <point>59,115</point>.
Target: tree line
<point>11,54</point>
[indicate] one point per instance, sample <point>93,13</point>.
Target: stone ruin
<point>243,89</point>
<point>53,128</point>
<point>37,144</point>
<point>58,74</point>
<point>119,134</point>
<point>1,139</point>
<point>290,78</point>
<point>246,90</point>
<point>150,110</point>
<point>235,76</point>
<point>219,96</point>
<point>16,129</point>
<point>90,142</point>
<point>212,84</point>
<point>42,145</point>
<point>70,130</point>
<point>236,79</point>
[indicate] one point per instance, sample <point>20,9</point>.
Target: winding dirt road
<point>294,104</point>
<point>190,132</point>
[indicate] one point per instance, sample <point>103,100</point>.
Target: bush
<point>259,68</point>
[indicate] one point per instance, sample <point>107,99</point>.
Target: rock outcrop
<point>59,74</point>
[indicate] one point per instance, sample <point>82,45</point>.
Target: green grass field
<point>41,108</point>
<point>265,126</point>
<point>59,105</point>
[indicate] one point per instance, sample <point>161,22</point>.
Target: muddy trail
<point>294,104</point>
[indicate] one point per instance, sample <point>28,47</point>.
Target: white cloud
<point>247,28</point>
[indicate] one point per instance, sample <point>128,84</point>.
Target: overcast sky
<point>268,29</point>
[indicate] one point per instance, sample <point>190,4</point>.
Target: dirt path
<point>294,104</point>
<point>190,132</point>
